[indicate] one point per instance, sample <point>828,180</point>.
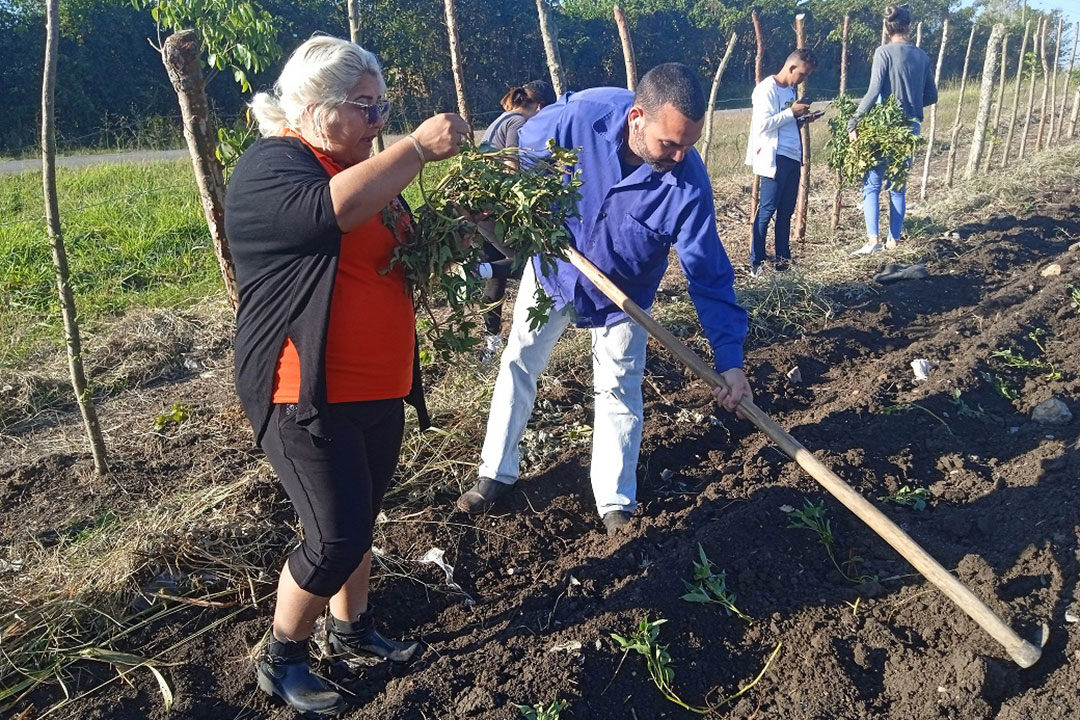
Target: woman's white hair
<point>317,78</point>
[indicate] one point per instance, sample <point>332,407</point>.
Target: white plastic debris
<point>786,509</point>
<point>921,368</point>
<point>572,646</point>
<point>435,556</point>
<point>794,376</point>
<point>1070,618</point>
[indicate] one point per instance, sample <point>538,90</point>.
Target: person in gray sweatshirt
<point>902,70</point>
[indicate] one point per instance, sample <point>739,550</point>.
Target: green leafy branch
<point>884,136</point>
<point>522,209</point>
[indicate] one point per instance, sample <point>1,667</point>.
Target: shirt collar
<point>327,162</point>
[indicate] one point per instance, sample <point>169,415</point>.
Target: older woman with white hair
<point>325,338</point>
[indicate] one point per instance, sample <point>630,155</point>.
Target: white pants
<point>618,354</point>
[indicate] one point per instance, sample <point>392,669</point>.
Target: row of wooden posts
<point>986,133</point>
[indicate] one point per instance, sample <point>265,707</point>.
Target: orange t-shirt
<point>370,341</point>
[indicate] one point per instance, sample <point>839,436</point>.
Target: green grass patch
<point>135,236</point>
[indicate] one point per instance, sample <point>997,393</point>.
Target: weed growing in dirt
<point>543,712</point>
<point>912,497</point>
<point>1001,386</point>
<point>965,410</point>
<point>1074,295</point>
<point>813,517</point>
<point>709,587</point>
<point>905,406</point>
<point>177,415</point>
<point>1016,360</point>
<point>645,642</point>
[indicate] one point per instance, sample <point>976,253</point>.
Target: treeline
<point>114,90</point>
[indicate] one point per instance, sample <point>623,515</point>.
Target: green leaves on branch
<point>885,138</point>
<point>523,210</point>
<point>237,35</point>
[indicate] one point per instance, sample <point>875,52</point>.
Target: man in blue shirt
<point>644,190</point>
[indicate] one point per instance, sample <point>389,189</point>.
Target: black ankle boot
<point>284,672</point>
<point>361,639</point>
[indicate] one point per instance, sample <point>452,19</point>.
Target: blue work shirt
<point>627,225</point>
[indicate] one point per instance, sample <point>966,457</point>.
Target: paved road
<point>75,161</point>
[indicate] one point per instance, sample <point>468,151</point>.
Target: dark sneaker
<point>481,496</point>
<point>359,640</point>
<point>284,672</point>
<point>615,521</point>
<point>783,264</point>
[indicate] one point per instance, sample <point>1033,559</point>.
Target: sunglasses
<point>374,110</point>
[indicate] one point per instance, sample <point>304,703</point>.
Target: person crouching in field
<point>519,104</point>
<point>903,70</point>
<point>645,189</point>
<point>775,154</point>
<point>325,338</point>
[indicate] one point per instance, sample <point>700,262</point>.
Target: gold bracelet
<point>419,149</point>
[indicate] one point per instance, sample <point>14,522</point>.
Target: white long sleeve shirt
<point>774,129</point>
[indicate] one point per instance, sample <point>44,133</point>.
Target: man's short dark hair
<point>671,84</point>
<point>805,56</point>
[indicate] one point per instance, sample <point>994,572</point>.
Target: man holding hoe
<point>645,189</point>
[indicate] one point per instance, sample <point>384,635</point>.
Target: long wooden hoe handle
<point>1022,652</point>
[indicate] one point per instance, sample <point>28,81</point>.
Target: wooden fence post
<point>72,338</point>
<point>1036,40</point>
<point>838,195</point>
<point>995,130</point>
<point>456,65</point>
<point>759,71</point>
<point>986,93</point>
<point>1068,78</point>
<point>933,112</point>
<point>1076,108</point>
<point>627,47</point>
<point>1053,86</point>
<point>950,163</point>
<point>918,35</point>
<point>884,33</point>
<point>802,201</point>
<point>1016,96</point>
<point>712,98</point>
<point>550,32</point>
<point>356,37</point>
<point>1046,87</point>
<point>180,55</point>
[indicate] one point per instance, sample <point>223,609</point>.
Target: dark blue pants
<point>778,196</point>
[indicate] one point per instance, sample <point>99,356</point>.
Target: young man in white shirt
<point>775,153</point>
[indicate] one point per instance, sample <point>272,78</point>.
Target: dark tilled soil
<point>550,588</point>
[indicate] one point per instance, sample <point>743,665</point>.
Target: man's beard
<point>637,146</point>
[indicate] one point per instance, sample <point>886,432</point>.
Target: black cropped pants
<point>336,485</point>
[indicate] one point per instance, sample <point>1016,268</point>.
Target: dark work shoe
<point>284,672</point>
<point>481,496</point>
<point>360,639</point>
<point>615,521</point>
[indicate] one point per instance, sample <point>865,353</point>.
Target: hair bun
<point>890,12</point>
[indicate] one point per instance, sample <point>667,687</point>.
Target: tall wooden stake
<point>803,198</point>
<point>180,53</point>
<point>838,195</point>
<point>1053,86</point>
<point>356,37</point>
<point>550,32</point>
<point>918,35</point>
<point>1075,110</point>
<point>759,75</point>
<point>1046,87</point>
<point>1036,40</point>
<point>995,130</point>
<point>884,33</point>
<point>933,112</point>
<point>72,339</point>
<point>1016,97</point>
<point>627,47</point>
<point>712,97</point>
<point>950,164</point>
<point>456,64</point>
<point>986,94</point>
<point>1068,78</point>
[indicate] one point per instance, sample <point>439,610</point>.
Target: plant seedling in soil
<point>543,712</point>
<point>178,414</point>
<point>645,641</point>
<point>526,210</point>
<point>905,406</point>
<point>965,410</point>
<point>885,138</point>
<point>1074,295</point>
<point>813,517</point>
<point>709,587</point>
<point>1001,386</point>
<point>914,498</point>
<point>1013,359</point>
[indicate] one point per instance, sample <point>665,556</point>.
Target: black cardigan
<point>285,243</point>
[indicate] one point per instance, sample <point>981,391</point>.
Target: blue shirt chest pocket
<point>640,251</point>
